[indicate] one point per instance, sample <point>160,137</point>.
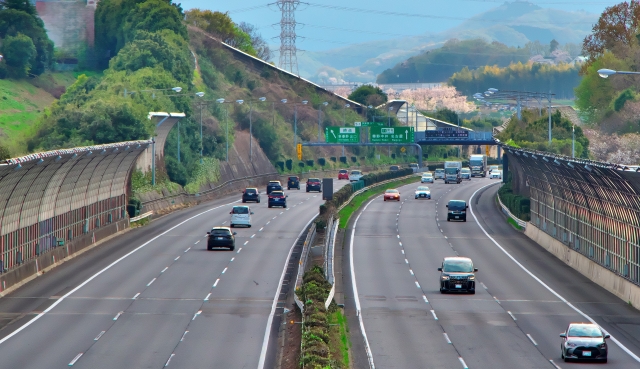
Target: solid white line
<point>483,286</point>
<point>512,316</point>
<point>183,335</point>
<point>225,269</point>
<point>446,337</point>
<point>176,259</point>
<point>355,288</point>
<point>245,243</point>
<point>136,296</point>
<point>425,299</point>
<point>118,315</point>
<point>498,301</point>
<point>411,271</point>
<point>196,314</point>
<point>216,283</point>
<point>267,330</point>
<point>170,357</point>
<point>99,335</point>
<point>207,298</point>
<point>188,248</point>
<point>532,340</point>
<point>417,284</point>
<point>196,242</point>
<point>149,284</point>
<point>75,359</point>
<point>232,259</point>
<point>554,364</point>
<point>164,270</point>
<point>623,347</point>
<point>433,312</point>
<point>239,250</point>
<point>464,365</point>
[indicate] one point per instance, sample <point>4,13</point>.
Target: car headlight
<point>571,344</point>
<point>445,277</point>
<point>602,345</point>
<point>472,278</point>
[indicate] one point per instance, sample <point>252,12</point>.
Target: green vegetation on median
<point>339,337</point>
<point>514,224</point>
<point>356,203</point>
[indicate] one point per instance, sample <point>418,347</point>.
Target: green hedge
<point>519,206</point>
<point>315,333</point>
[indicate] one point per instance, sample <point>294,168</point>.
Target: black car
<point>457,274</point>
<point>251,194</point>
<point>457,210</point>
<point>277,198</point>
<point>273,186</point>
<point>314,184</point>
<point>394,168</point>
<point>293,182</point>
<point>584,341</point>
<point>221,237</point>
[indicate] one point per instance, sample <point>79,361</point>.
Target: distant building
<point>69,23</point>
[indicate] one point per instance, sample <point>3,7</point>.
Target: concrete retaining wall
<point>619,286</point>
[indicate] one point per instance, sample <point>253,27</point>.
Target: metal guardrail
<point>141,216</point>
<point>302,264</point>
<point>330,247</point>
<point>506,210</point>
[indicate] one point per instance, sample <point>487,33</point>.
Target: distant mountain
<point>512,23</point>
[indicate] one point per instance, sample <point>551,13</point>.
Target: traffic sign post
<point>369,124</point>
<point>391,135</point>
<point>299,151</point>
<point>342,134</point>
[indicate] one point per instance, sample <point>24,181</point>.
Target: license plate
<point>219,238</point>
<point>457,217</point>
<point>586,353</point>
<point>458,286</point>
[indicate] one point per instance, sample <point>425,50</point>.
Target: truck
<point>478,164</point>
<point>452,171</point>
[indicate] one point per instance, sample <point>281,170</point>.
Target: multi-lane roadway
<point>525,296</point>
<point>155,297</point>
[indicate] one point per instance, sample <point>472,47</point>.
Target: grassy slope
<point>22,102</point>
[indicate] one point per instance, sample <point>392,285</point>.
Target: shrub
<point>354,159</point>
<point>343,159</point>
<point>333,159</point>
<point>310,163</point>
<point>280,165</point>
<point>322,161</point>
<point>301,164</point>
<point>289,164</point>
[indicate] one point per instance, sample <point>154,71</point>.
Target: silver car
<point>584,341</point>
<point>423,192</point>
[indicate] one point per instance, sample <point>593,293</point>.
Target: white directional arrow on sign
<point>334,135</point>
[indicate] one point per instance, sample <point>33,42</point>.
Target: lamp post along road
<point>344,120</point>
<point>320,119</point>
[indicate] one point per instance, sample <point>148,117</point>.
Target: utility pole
<point>549,98</point>
<point>288,58</point>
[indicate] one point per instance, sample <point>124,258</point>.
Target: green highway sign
<point>391,135</point>
<point>342,134</point>
<point>369,124</point>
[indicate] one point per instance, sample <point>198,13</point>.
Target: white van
<point>240,215</point>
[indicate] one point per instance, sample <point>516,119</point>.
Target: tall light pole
<point>389,125</point>
<point>295,120</point>
<point>320,118</point>
<point>250,124</point>
<point>573,141</point>
<point>221,101</point>
<point>198,94</point>
<point>344,120</point>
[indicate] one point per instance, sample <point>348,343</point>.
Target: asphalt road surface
<point>516,315</point>
<point>155,297</point>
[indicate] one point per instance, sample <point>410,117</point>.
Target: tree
<point>368,95</point>
<point>19,53</point>
<point>616,26</point>
<point>259,44</point>
<point>436,98</point>
<point>21,5</point>
<point>14,21</point>
<point>534,48</point>
<point>4,153</point>
<point>553,46</point>
<point>152,16</point>
<point>222,27</point>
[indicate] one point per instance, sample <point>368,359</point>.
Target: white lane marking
<point>267,223</point>
<point>245,243</point>
<point>260,230</point>
<point>402,251</point>
<point>225,269</point>
<point>216,283</point>
<point>164,270</point>
<point>464,365</point>
<point>554,364</point>
<point>406,261</point>
<point>196,315</point>
<point>483,286</point>
<point>207,298</point>
<point>438,224</point>
<point>433,312</point>
<point>176,259</point>
<point>512,316</point>
<point>136,296</point>
<point>99,335</point>
<point>275,217</point>
<point>355,287</point>
<point>183,335</point>
<point>75,359</point>
<point>188,248</point>
<point>425,299</point>
<point>441,231</point>
<point>232,259</point>
<point>240,249</point>
<point>612,338</point>
<point>170,357</point>
<point>398,236</point>
<point>267,331</point>
<point>532,340</point>
<point>281,212</point>
<point>196,242</point>
<point>455,252</point>
<point>224,222</point>
<point>253,235</point>
<point>118,315</point>
<point>400,243</point>
<point>411,271</point>
<point>445,236</point>
<point>149,284</point>
<point>417,284</point>
<point>446,337</point>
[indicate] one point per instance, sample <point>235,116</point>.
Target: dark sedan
<point>274,186</point>
<point>584,341</point>
<point>221,237</point>
<point>277,198</point>
<point>293,182</point>
<point>457,274</point>
<point>251,194</point>
<point>314,184</point>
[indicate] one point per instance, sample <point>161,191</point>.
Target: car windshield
<point>277,193</point>
<point>293,178</point>
<point>220,232</point>
<point>457,266</point>
<point>466,171</point>
<point>342,171</point>
<point>584,331</point>
<point>451,170</point>
<point>274,183</point>
<point>355,172</point>
<point>314,180</point>
<point>457,205</point>
<point>427,175</point>
<point>493,167</point>
<point>392,191</point>
<point>240,210</point>
<point>422,188</point>
<point>439,170</point>
<point>250,190</point>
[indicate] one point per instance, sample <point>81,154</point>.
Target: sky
<point>328,24</point>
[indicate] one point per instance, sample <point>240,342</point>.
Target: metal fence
<point>591,207</point>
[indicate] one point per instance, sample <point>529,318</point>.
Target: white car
<point>426,178</point>
<point>355,176</point>
<point>240,216</point>
<point>439,174</point>
<point>423,192</point>
<point>495,174</point>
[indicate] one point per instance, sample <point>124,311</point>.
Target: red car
<point>343,174</point>
<point>391,195</point>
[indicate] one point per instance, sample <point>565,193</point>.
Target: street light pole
<point>344,121</point>
<point>549,98</point>
<point>320,119</point>
<point>573,141</point>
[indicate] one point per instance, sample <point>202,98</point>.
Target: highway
<point>525,296</point>
<point>155,297</point>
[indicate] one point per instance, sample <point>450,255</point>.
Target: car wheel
<point>209,248</point>
<point>464,220</point>
<point>603,360</point>
<point>442,291</point>
<point>561,353</point>
<point>243,201</point>
<point>472,292</point>
<point>385,199</point>
<point>448,220</point>
<point>258,201</point>
<point>248,225</point>
<point>307,190</point>
<point>231,225</point>
<point>232,248</point>
<point>269,205</point>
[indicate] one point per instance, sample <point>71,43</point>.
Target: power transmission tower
<point>288,58</point>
